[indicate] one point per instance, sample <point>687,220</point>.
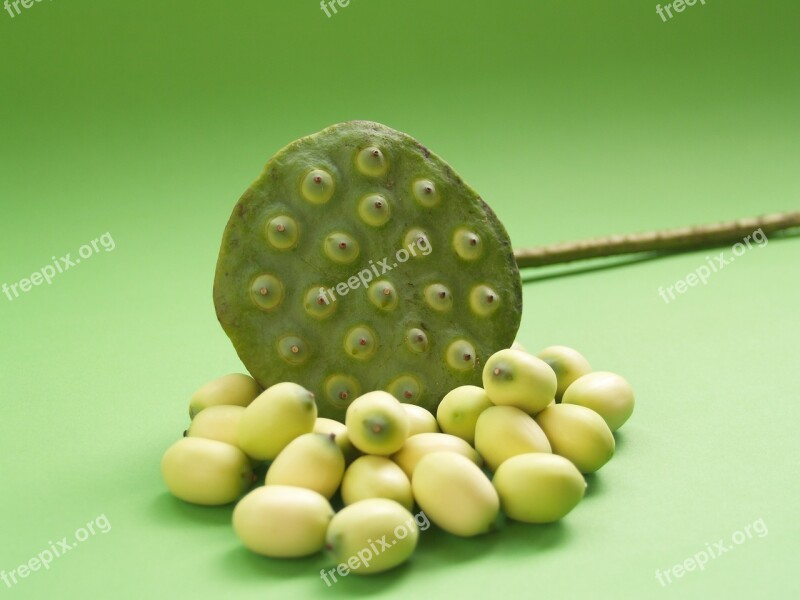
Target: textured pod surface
<point>418,280</point>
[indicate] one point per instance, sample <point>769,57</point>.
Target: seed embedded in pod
<point>383,294</point>
<point>483,300</point>
<point>374,210</point>
<point>425,193</point>
<point>318,303</point>
<point>416,340</point>
<point>460,355</point>
<point>293,349</point>
<point>282,232</point>
<point>405,388</point>
<point>341,390</point>
<point>372,162</point>
<point>417,240</point>
<point>266,291</point>
<point>360,342</point>
<point>467,244</point>
<point>438,297</point>
<point>341,248</point>
<point>318,186</point>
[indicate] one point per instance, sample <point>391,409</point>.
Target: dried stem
<point>668,240</point>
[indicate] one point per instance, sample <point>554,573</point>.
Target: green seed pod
<point>505,431</point>
<point>568,365</point>
<point>312,461</point>
<point>455,494</point>
<point>279,415</point>
<point>355,530</point>
<point>375,219</point>
<point>421,444</point>
<point>235,389</point>
<point>515,378</point>
<point>578,434</point>
<point>538,488</point>
<point>376,423</point>
<point>339,430</point>
<point>376,477</point>
<point>219,423</point>
<point>420,420</point>
<point>282,521</point>
<point>607,394</point>
<point>459,411</point>
<point>208,472</point>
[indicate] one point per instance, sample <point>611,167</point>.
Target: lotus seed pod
<point>568,365</point>
<point>422,444</point>
<point>538,488</point>
<point>607,394</point>
<point>420,420</point>
<point>459,411</point>
<point>282,521</point>
<point>455,494</point>
<point>376,423</point>
<point>578,434</point>
<point>235,389</point>
<point>355,534</point>
<point>279,415</point>
<point>376,477</point>
<point>505,431</point>
<point>312,461</point>
<point>515,378</point>
<point>374,219</point>
<point>208,472</point>
<point>219,423</point>
<point>339,430</point>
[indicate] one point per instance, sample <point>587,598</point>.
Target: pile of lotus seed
<point>517,447</point>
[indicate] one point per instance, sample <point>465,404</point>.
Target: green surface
<point>148,119</point>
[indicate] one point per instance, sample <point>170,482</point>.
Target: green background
<point>148,120</point>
